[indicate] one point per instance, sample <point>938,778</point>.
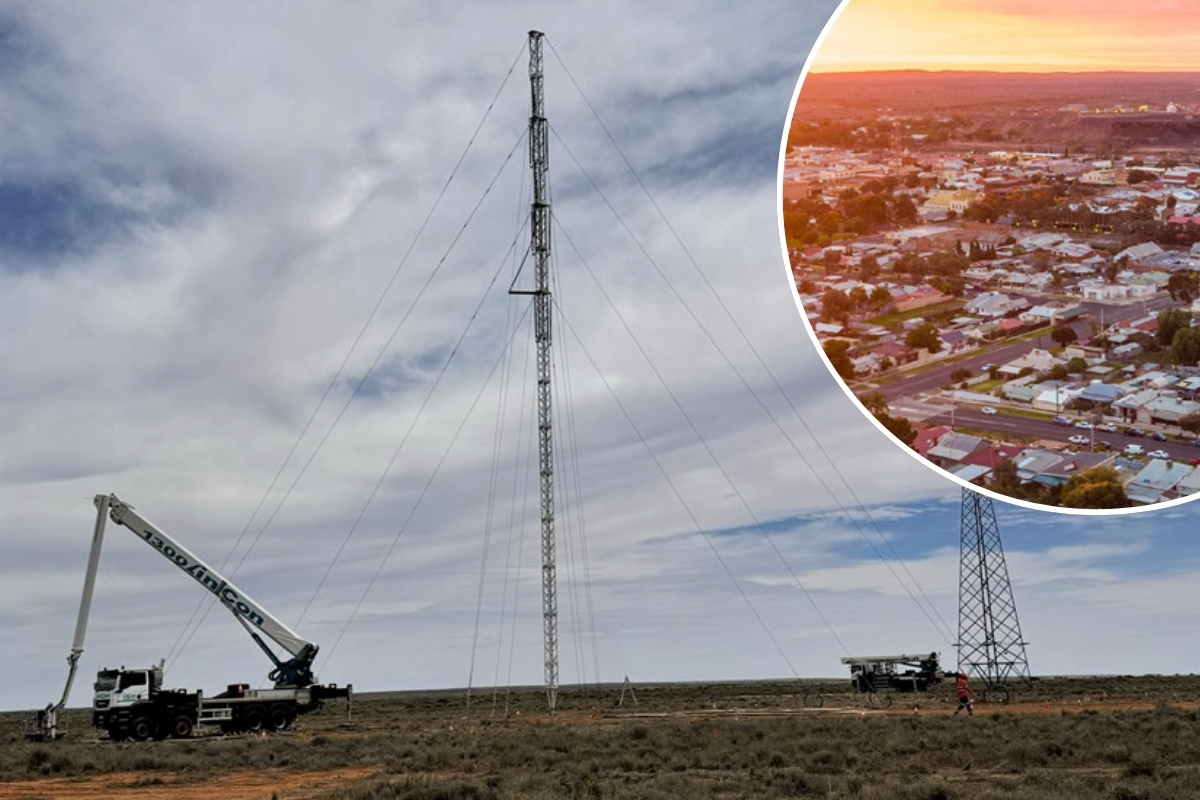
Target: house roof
<point>970,472</point>
<point>1161,474</point>
<point>1101,393</point>
<point>892,349</point>
<point>927,438</point>
<point>991,455</point>
<point>955,446</point>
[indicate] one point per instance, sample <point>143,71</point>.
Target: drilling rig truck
<point>134,704</point>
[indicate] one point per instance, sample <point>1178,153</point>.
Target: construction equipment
<point>899,673</point>
<point>133,704</point>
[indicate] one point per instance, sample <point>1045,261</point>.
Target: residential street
<point>1020,425</point>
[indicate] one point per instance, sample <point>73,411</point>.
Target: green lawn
<point>894,319</point>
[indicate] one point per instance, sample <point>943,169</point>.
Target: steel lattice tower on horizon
<point>539,246</point>
<point>989,634</point>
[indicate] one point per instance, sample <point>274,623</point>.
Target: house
<point>995,304</point>
<point>918,298</point>
<point>952,448</point>
<point>1101,394</point>
<point>1139,252</point>
<point>1130,405</point>
<point>1036,359</point>
<point>1071,465</point>
<point>927,438</point>
<point>1157,481</point>
<point>972,473</point>
<point>1049,314</point>
<point>898,352</point>
<point>957,202</point>
<point>953,339</point>
<point>1166,410</point>
<point>1189,484</point>
<point>1054,396</point>
<point>1033,462</point>
<point>992,455</point>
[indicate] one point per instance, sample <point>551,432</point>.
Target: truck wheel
<point>181,727</point>
<point>253,720</point>
<point>142,728</point>
<point>279,717</point>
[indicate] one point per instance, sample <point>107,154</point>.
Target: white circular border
<point>1094,512</point>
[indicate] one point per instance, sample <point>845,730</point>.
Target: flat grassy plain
<point>1119,737</point>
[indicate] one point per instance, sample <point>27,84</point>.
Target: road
<point>1011,424</point>
<point>936,377</point>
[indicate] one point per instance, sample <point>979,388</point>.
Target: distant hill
<point>1030,108</point>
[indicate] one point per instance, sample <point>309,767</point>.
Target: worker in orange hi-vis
<point>962,688</point>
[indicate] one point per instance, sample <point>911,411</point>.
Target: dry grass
<point>1110,738</point>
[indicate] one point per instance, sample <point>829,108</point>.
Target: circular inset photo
<point>991,212</point>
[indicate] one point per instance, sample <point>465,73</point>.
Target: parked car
<point>1195,443</point>
<point>1134,432</point>
<point>1077,439</point>
<point>1158,437</point>
<point>1159,454</point>
<point>1107,427</point>
<point>1083,423</point>
<point>1133,450</point>
<point>988,410</point>
<point>1061,421</point>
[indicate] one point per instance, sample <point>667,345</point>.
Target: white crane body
<point>134,704</point>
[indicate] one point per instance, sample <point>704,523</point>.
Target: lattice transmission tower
<point>990,646</point>
<point>539,227</point>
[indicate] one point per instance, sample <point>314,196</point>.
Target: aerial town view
<point>1005,270</point>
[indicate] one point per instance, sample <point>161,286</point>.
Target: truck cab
<point>120,688</point>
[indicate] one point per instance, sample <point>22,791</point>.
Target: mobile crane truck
<point>133,703</point>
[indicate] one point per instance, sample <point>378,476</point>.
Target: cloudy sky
<point>221,302</point>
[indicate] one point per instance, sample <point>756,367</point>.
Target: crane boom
<point>253,615</point>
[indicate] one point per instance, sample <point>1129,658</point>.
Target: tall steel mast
<point>539,226</point>
<point>989,633</point>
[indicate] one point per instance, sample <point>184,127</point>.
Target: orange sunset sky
<point>1014,35</point>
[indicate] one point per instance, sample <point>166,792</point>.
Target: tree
<point>1004,478</point>
<point>868,268</point>
<point>836,306</point>
<point>1063,335</point>
<point>1099,487</point>
<point>926,336</point>
<point>960,374</point>
<point>1057,373</point>
<point>830,223</point>
<point>1185,347</point>
<point>1190,423</point>
<point>905,211</point>
<point>1110,271</point>
<point>875,402</point>
<point>858,297</point>
<point>899,427</point>
<point>1170,322</point>
<point>837,350</point>
<point>1184,286</point>
<point>1077,365</point>
<point>880,298</point>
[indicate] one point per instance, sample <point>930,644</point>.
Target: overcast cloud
<point>200,204</point>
